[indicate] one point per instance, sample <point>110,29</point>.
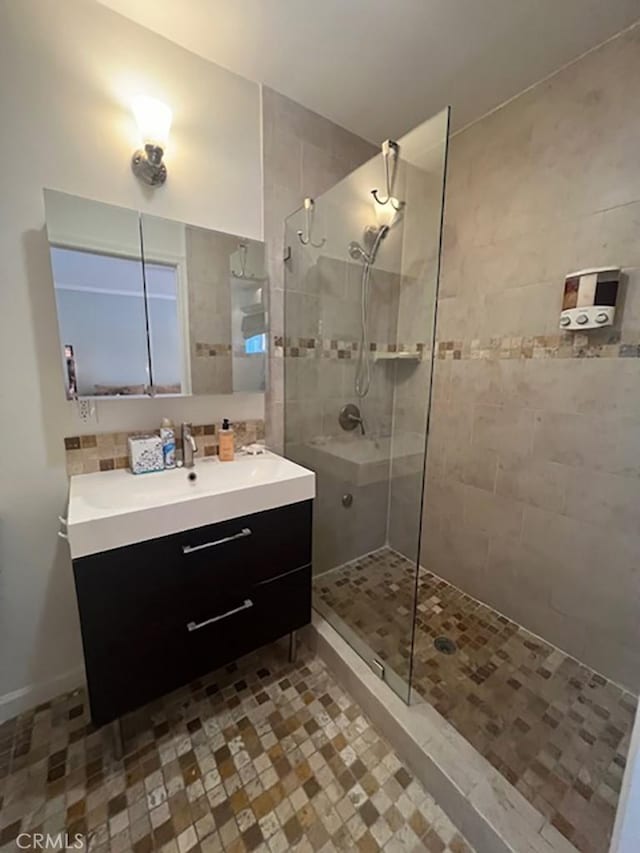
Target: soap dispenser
<point>226,442</point>
<point>168,438</point>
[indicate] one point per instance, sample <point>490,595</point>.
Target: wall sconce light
<point>388,209</point>
<point>390,152</point>
<point>388,212</point>
<point>154,121</point>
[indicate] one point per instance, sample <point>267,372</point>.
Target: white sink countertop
<point>111,509</point>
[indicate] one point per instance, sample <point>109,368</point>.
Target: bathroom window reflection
<point>165,341</point>
<point>255,345</point>
<point>153,306</point>
<point>100,299</point>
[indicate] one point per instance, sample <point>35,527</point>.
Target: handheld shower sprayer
<point>388,211</point>
<point>373,237</point>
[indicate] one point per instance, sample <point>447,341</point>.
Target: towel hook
<point>244,275</point>
<point>306,240</point>
<point>242,250</point>
<point>390,151</point>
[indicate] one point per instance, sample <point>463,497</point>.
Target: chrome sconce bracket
<point>390,151</point>
<point>147,165</point>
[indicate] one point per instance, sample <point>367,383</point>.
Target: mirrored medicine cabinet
<point>148,306</point>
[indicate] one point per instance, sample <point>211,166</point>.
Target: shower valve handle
<point>350,418</point>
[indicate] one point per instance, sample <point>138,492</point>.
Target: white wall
<point>68,70</point>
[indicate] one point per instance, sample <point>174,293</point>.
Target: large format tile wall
<point>323,303</point>
<point>533,487</point>
<point>322,349</point>
<point>304,154</point>
<point>381,471</point>
<point>422,193</point>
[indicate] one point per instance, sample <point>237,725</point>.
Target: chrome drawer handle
<point>195,626</point>
<point>189,549</point>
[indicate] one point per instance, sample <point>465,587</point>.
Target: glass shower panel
<point>424,152</point>
<point>360,288</point>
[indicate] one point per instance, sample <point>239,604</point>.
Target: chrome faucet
<point>189,446</point>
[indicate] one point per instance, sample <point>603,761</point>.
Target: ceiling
<point>380,67</point>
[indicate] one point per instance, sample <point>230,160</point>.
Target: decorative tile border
<point>338,349</point>
<point>86,454</point>
<point>207,350</point>
<point>565,345</point>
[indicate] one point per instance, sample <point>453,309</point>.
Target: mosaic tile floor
<point>555,729</point>
<point>263,755</point>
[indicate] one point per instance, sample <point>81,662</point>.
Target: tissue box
<point>145,454</point>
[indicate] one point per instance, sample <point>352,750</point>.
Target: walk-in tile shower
<point>360,299</point>
<point>396,570</point>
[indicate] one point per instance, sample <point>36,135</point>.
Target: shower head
<point>357,252</point>
<point>372,239</point>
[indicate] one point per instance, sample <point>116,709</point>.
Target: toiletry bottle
<point>225,442</point>
<point>168,438</point>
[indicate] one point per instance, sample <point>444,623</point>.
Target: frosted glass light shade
<point>387,212</point>
<point>153,119</point>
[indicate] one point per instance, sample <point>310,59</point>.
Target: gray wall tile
<point>533,476</point>
<point>304,154</point>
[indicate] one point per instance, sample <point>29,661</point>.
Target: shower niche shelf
<point>397,356</point>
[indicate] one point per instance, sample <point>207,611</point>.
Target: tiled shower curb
<point>491,813</point>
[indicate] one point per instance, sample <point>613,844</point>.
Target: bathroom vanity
<point>178,574</point>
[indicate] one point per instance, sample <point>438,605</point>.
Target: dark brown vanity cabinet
<point>159,613</point>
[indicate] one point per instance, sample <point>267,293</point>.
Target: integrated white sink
<point>116,508</point>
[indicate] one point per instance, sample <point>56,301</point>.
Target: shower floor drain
<point>445,645</point>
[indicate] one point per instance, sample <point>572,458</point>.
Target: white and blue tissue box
<point>145,454</point>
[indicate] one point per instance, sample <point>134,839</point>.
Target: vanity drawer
<point>187,572</point>
<point>257,547</point>
<point>132,599</point>
<point>157,614</point>
<point>214,570</point>
<point>129,670</point>
<point>119,591</point>
<point>270,610</point>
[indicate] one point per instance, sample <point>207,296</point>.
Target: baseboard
<point>492,814</point>
<point>26,698</point>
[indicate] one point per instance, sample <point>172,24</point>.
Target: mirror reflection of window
<point>100,301</point>
<point>153,306</point>
<point>255,345</point>
<point>161,282</point>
